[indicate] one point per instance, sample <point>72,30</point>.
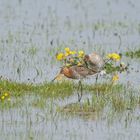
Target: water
<point>28,122</point>
<point>32,32</point>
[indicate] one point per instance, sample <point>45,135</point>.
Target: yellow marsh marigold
<point>114,56</point>
<point>67,54</point>
<point>2,97</point>
<point>6,94</point>
<point>72,52</point>
<point>79,64</point>
<point>115,78</point>
<point>81,54</point>
<point>67,50</point>
<point>60,56</point>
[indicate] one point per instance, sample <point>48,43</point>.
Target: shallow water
<point>31,33</point>
<point>28,122</point>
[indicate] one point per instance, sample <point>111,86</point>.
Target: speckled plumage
<point>94,61</point>
<point>77,72</point>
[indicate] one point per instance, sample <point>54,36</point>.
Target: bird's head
<point>86,58</point>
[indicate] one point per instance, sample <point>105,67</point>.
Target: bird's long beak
<point>58,77</point>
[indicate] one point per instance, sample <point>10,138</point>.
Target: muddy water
<point>31,32</point>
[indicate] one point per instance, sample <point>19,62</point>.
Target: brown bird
<point>95,62</point>
<point>76,72</point>
<point>93,65</point>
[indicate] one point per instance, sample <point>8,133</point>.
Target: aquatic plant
<point>133,54</point>
<point>70,57</point>
<point>112,62</point>
<point>4,95</point>
<point>116,98</point>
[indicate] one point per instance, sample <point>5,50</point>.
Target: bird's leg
<point>81,90</point>
<point>78,91</point>
<point>96,79</point>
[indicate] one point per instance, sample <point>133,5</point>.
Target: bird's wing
<point>95,62</point>
<point>82,71</point>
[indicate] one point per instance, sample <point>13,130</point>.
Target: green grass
<point>116,97</point>
<point>46,89</point>
<point>133,54</point>
<point>54,89</point>
<point>40,92</point>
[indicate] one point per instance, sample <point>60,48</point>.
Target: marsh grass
<point>45,89</point>
<point>20,91</point>
<point>116,98</point>
<point>133,54</point>
<point>39,103</point>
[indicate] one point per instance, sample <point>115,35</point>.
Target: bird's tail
<point>57,77</point>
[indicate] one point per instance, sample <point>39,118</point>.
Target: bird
<point>95,62</point>
<point>93,65</point>
<point>76,72</point>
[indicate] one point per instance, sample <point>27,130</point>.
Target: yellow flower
<point>114,56</point>
<point>72,52</point>
<point>80,53</point>
<point>67,50</point>
<point>67,54</point>
<point>6,94</point>
<point>60,56</point>
<point>2,97</point>
<point>79,64</point>
<point>115,78</point>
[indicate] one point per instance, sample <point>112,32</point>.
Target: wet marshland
<point>31,33</point>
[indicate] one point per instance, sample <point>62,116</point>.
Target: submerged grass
<point>117,97</point>
<point>18,91</point>
<point>104,88</point>
<point>55,89</point>
<point>133,54</point>
<point>46,89</point>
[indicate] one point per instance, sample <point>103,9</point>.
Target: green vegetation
<point>29,44</point>
<point>18,93</point>
<point>117,98</point>
<point>133,54</point>
<point>46,89</point>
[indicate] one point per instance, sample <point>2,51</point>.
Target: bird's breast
<point>68,73</point>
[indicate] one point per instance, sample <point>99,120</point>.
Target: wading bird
<point>94,61</point>
<point>94,64</point>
